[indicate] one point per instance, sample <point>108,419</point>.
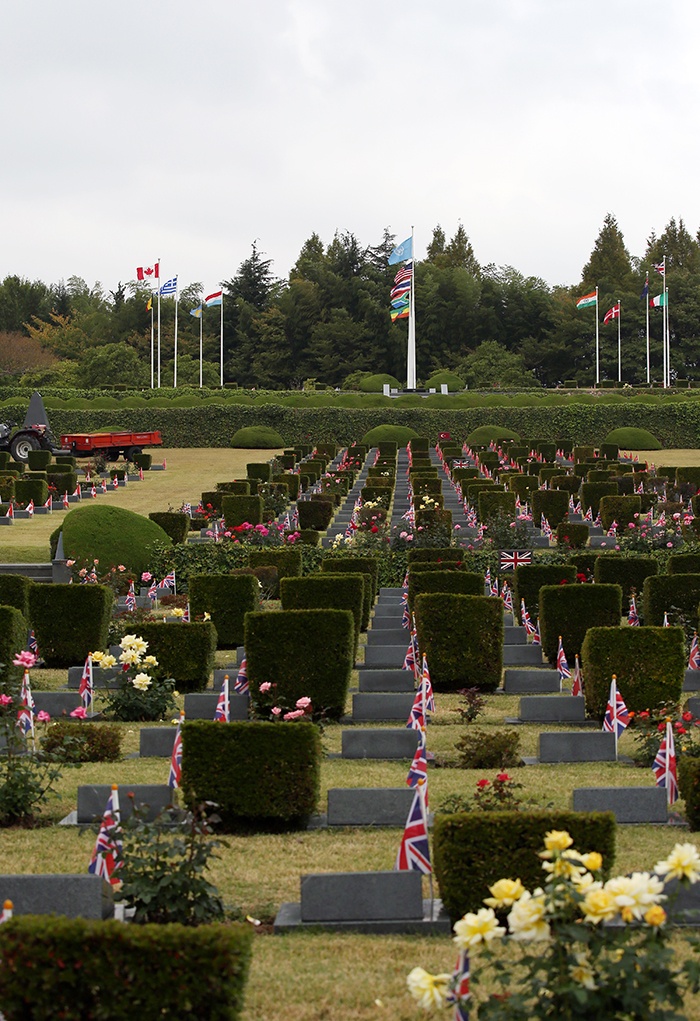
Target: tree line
<point>329,319</point>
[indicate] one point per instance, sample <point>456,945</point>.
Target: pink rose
<point>79,713</point>
<point>42,717</point>
<point>294,715</point>
<point>25,658</point>
<point>146,576</point>
<point>69,563</point>
<point>303,703</point>
<point>95,562</point>
<point>265,686</point>
<point>5,700</point>
<point>276,710</point>
<point>121,567</point>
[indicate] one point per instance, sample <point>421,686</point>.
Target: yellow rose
<point>429,990</point>
<point>655,915</point>
<point>527,918</point>
<point>477,928</point>
<point>557,840</point>
<point>504,893</point>
<point>107,661</point>
<point>592,861</point>
<point>582,972</point>
<point>96,656</point>
<point>599,906</point>
<point>564,866</point>
<point>682,863</point>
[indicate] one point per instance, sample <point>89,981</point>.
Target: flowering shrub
<point>140,696</point>
<point>471,705</point>
<point>268,706</point>
<point>494,795</point>
<point>650,727</point>
<point>583,967</point>
<point>88,571</point>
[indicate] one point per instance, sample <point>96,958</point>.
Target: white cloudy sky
<point>133,129</point>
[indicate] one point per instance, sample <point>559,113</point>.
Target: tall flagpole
<point>221,355</point>
<point>619,345</point>
<point>411,350</point>
<point>597,341</point>
<point>648,370</point>
<point>175,373</point>
<point>159,323</point>
<point>664,326</point>
<point>151,343</point>
<point>175,366</point>
<point>201,318</point>
<point>668,336</point>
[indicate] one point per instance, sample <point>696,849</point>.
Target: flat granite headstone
<point>397,743</point>
<point>522,682</point>
<point>388,622</point>
<point>92,799</point>
<point>56,703</point>
<point>202,705</point>
<point>522,655</point>
<point>156,742</point>
<point>629,804</point>
<point>361,896</point>
<point>382,705</point>
<point>369,806</point>
<point>81,896</point>
<point>386,680</point>
<point>100,678</point>
<point>691,680</point>
<point>389,636</point>
<point>553,709</point>
<point>385,655</point>
<point>577,746</point>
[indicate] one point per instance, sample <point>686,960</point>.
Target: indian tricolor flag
<point>586,300</point>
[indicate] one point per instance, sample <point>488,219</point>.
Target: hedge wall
<point>683,563</point>
<point>176,525</point>
<point>492,504</point>
<point>649,663</point>
<point>677,595</point>
<point>13,638</point>
<point>315,514</point>
<point>287,561</point>
<point>227,597</point>
<point>327,592</point>
<point>553,503</point>
<point>435,554</point>
<point>362,565</point>
<point>529,581</point>
<point>238,510</point>
<point>569,610</point>
<point>184,651</point>
<point>14,591</point>
<point>472,850</point>
<point>69,621</point>
<point>593,492</point>
<point>455,582</point>
<point>462,637</point>
<point>305,653</point>
<point>627,572</point>
<point>74,969</point>
<point>620,509</point>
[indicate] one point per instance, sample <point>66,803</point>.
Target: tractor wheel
<point>132,452</point>
<point>22,444</point>
<point>112,454</point>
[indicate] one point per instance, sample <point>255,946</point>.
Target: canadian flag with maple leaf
<point>148,272</point>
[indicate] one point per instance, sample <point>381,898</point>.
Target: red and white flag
<point>108,845</point>
<point>49,503</point>
<point>613,313</point>
<point>65,500</point>
<point>664,766</point>
<point>10,512</point>
<point>87,688</point>
<point>176,761</point>
<point>148,272</point>
<point>577,686</point>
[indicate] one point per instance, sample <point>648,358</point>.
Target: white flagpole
<point>664,325</point>
<point>159,323</point>
<point>411,349</point>
<point>648,371</point>
<point>226,699</point>
<point>201,317</point>
<point>613,702</point>
<point>175,366</point>
<point>619,346</point>
<point>175,372</point>
<point>668,337</point>
<point>221,355</point>
<point>151,343</point>
<point>597,341</point>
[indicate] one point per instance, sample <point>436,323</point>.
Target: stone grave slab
<point>694,706</point>
<point>74,896</point>
<point>156,742</point>
<point>691,680</point>
<point>385,655</point>
<point>577,746</point>
<point>514,636</point>
<point>56,703</point>
<point>629,804</point>
<point>683,906</point>
<point>368,706</point>
<point>376,743</point>
<point>361,896</point>
<point>388,610</point>
<point>369,806</point>
<point>388,622</point>
<point>388,636</point>
<point>531,682</point>
<point>553,709</point>
<point>522,655</point>
<point>201,705</point>
<point>92,799</point>
<point>100,678</point>
<point>386,680</point>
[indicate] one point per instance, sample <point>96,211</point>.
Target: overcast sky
<point>133,130</point>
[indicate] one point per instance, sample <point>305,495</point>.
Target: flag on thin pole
<point>536,638</point>
<point>459,993</point>
<point>577,686</point>
<point>414,850</point>
<point>87,688</point>
<point>241,686</point>
<point>633,616</point>
<point>562,665</point>
<point>217,298</point>
<point>25,713</point>
<point>616,715</point>
<point>222,706</point>
<point>418,772</point>
<point>176,761</point>
<point>664,766</point>
<point>694,658</point>
<point>108,844</point>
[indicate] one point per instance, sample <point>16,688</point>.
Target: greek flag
<point>169,287</point>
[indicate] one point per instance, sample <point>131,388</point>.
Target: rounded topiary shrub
<point>374,384</point>
<point>491,433</point>
<point>257,437</point>
<point>400,433</point>
<point>448,379</point>
<point>111,535</point>
<point>628,438</point>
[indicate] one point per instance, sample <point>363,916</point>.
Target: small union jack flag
<point>510,559</point>
<point>459,988</point>
<point>487,579</point>
<point>562,665</point>
<point>525,618</point>
<point>414,851</point>
<point>536,637</point>
<point>409,662</point>
<point>633,616</point>
<point>612,531</point>
<point>694,658</point>
<point>577,686</point>
<point>418,772</point>
<point>507,597</point>
<point>240,686</point>
<point>616,715</point>
<point>152,590</point>
<point>545,527</point>
<point>186,615</point>
<point>176,760</point>
<point>425,684</point>
<point>664,766</point>
<point>405,581</point>
<point>406,619</point>
<point>108,844</point>
<point>222,706</point>
<point>588,516</point>
<point>494,587</point>
<point>131,598</point>
<point>168,581</point>
<point>86,689</point>
<point>31,642</point>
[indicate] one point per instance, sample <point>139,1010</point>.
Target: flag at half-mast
<point>402,252</point>
<point>401,292</point>
<point>587,300</point>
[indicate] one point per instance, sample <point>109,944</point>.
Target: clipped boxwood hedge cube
<point>569,483</point>
<point>621,509</point>
<point>70,621</point>
<point>472,850</point>
<point>315,514</point>
<point>238,510</point>
<point>523,486</point>
<point>648,662</point>
<point>227,597</point>
<point>572,534</point>
<point>7,489</point>
<point>629,573</point>
<point>287,561</point>
<point>600,475</point>
<point>327,592</point>
<point>445,580</point>
<point>143,461</point>
<point>688,474</point>
<point>184,651</point>
<point>212,500</point>
<point>291,481</point>
<point>494,504</point>
<point>31,489</point>
<point>260,470</point>
<point>553,503</point>
<point>33,944</point>
<point>683,563</point>
<point>436,554</point>
<point>593,492</point>
<point>689,789</point>
<point>569,610</point>
<point>14,591</point>
<point>472,488</point>
<point>175,524</point>
<point>63,482</point>
<point>13,638</point>
<point>583,453</point>
<point>38,460</point>
<point>677,595</point>
<point>305,653</point>
<point>236,487</point>
<point>462,637</point>
<point>362,565</point>
<point>529,581</point>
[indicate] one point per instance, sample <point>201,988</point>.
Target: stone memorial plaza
<point>368,539</point>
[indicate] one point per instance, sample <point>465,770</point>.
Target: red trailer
<point>110,445</point>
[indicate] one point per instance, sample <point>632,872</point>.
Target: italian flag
<point>586,300</point>
<point>658,302</point>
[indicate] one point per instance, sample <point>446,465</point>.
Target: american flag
<point>577,686</point>
<point>665,766</point>
<point>633,616</point>
<point>108,845</point>
<point>176,760</point>
<point>562,665</point>
<point>222,706</point>
<point>616,714</point>
<point>459,991</point>
<point>168,581</point>
<point>86,689</point>
<point>694,658</point>
<point>405,273</point>
<point>414,851</point>
<point>240,685</point>
<point>510,559</point>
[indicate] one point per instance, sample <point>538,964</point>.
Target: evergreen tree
<point>682,251</point>
<point>609,266</point>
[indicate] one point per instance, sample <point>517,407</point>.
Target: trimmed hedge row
<point>14,591</point>
<point>570,610</point>
<point>472,850</point>
<point>326,592</point>
<point>176,525</point>
<point>462,636</point>
<point>69,621</point>
<point>677,595</point>
<point>529,581</point>
<point>629,573</point>
<point>184,651</point>
<point>13,638</point>
<point>456,582</point>
<point>227,597</point>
